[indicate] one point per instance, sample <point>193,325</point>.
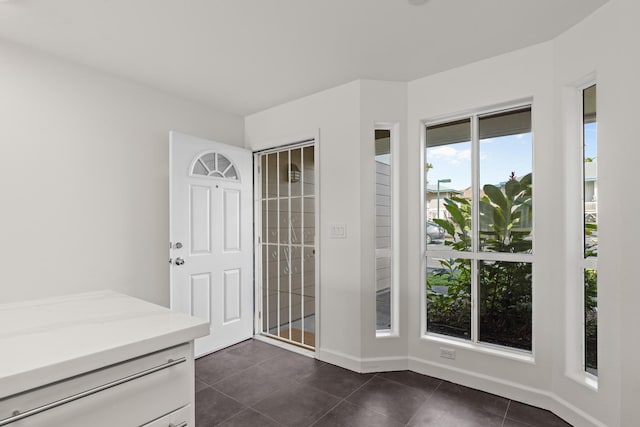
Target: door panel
<point>200,220</point>
<point>231,220</point>
<point>201,296</point>
<point>211,233</point>
<point>232,295</point>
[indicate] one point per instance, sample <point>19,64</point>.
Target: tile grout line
<point>424,403</point>
<point>265,415</point>
<point>258,364</point>
<point>245,407</point>
<point>506,411</point>
<point>341,401</point>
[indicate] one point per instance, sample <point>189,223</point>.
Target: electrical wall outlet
<point>338,231</point>
<point>447,353</point>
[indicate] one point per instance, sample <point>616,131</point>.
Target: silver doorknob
<point>179,261</point>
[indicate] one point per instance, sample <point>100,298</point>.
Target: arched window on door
<point>215,165</point>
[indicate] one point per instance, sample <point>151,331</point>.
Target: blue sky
<point>498,158</point>
<point>590,140</point>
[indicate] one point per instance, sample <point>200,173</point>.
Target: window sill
<point>585,379</point>
<point>386,334</point>
<point>517,355</point>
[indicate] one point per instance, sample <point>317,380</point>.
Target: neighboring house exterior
<point>433,199</point>
<point>591,191</point>
<point>383,226</point>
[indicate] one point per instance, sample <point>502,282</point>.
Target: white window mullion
<point>289,247</point>
<point>475,229</point>
<point>265,287</point>
<point>302,243</point>
<point>278,213</point>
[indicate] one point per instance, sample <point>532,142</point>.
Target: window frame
<point>573,128</point>
<point>585,262</point>
<point>475,256</point>
<point>394,154</point>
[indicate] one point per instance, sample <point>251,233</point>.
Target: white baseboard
<point>511,390</point>
<point>384,364</point>
<point>340,359</point>
<point>508,389</point>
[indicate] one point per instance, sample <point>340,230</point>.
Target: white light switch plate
<point>338,231</point>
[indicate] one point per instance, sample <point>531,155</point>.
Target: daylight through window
<point>590,229</point>
<point>385,269</point>
<point>478,228</point>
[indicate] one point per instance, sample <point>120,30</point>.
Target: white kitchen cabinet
<point>147,386</point>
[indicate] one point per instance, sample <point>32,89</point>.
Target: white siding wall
<point>383,224</point>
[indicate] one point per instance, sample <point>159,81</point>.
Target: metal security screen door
<point>286,237</point>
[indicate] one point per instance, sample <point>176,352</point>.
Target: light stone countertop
<point>44,341</point>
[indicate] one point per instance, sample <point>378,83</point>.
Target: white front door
<point>211,220</point>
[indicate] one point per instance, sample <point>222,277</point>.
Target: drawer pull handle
<point>18,415</point>
<point>182,424</point>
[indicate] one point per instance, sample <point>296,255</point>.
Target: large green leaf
<point>525,183</point>
<point>496,196</point>
<point>447,225</point>
<point>461,200</point>
<point>499,221</point>
<point>456,213</point>
<point>512,188</point>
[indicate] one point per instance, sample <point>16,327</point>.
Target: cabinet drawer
<point>179,418</point>
<point>128,394</point>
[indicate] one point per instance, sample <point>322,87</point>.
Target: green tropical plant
<point>591,317</point>
<point>450,313</point>
<point>505,216</point>
<point>505,287</point>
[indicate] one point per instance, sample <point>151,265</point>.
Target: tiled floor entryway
<point>257,384</point>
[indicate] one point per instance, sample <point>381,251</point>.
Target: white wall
<point>335,115</point>
<point>381,103</point>
<point>605,46</point>
<point>84,177</point>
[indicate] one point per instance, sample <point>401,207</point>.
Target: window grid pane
<point>449,297</point>
<point>383,229</point>
<point>590,229</point>
<point>505,206</point>
<point>505,303</point>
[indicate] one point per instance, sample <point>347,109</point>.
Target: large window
<point>478,228</point>
<point>590,229</point>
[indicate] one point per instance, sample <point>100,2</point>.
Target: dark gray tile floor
<point>257,384</point>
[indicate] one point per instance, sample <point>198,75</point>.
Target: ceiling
<point>243,56</point>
